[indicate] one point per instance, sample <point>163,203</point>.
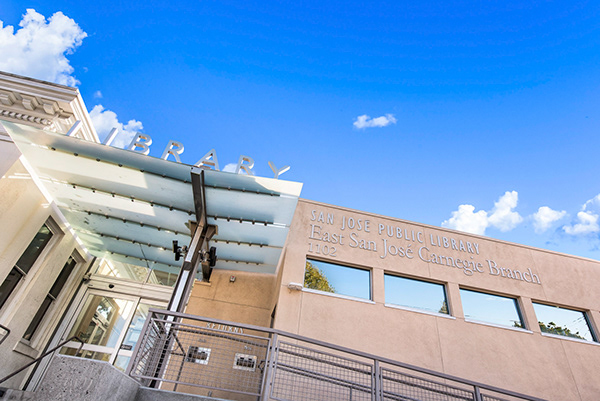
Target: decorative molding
<point>25,117</point>
<point>44,105</point>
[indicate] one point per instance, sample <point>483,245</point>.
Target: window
<point>25,263</point>
<point>50,298</point>
<point>416,294</point>
<point>495,309</point>
<point>337,279</point>
<point>563,322</point>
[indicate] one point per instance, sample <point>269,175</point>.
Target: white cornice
<point>44,105</point>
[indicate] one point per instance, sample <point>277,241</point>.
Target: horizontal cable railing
<point>187,353</point>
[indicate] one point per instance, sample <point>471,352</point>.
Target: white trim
<point>331,294</point>
<point>499,326</point>
<point>424,311</point>
<point>578,340</point>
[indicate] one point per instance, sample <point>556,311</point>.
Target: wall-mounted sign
<point>328,235</point>
<point>141,143</point>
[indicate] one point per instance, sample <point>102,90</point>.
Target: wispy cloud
<point>105,120</point>
<point>502,216</point>
<point>545,217</point>
<point>98,95</point>
<point>38,49</point>
<point>587,219</point>
<point>365,121</point>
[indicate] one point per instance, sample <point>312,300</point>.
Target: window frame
<point>516,300</point>
<point>51,300</point>
<point>55,233</point>
<point>585,313</point>
<point>443,285</point>
<point>335,294</point>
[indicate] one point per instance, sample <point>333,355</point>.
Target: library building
<point>130,277</point>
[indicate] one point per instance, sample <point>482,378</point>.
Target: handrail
<point>7,333</point>
<point>360,354</point>
<point>39,358</point>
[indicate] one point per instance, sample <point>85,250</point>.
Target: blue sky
<point>489,105</point>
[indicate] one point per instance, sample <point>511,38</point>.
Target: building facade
<point>86,250</point>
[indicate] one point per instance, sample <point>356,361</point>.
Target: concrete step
<point>151,394</point>
<point>15,395</point>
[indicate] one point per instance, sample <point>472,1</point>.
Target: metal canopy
<point>129,207</point>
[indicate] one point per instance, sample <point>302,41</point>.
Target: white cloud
<point>544,217</point>
<point>501,217</point>
<point>230,167</point>
<point>105,120</point>
<point>465,220</point>
<point>365,121</point>
<point>39,47</point>
<point>98,95</point>
<point>587,219</point>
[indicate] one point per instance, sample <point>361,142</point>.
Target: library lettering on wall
<point>87,250</point>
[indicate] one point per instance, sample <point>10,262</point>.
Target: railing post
<point>138,346</point>
<point>269,367</point>
<point>377,384</point>
<point>6,334</point>
<point>39,358</point>
<point>478,396</point>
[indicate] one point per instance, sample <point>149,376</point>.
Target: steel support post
<point>269,368</point>
<point>478,396</point>
<point>377,385</point>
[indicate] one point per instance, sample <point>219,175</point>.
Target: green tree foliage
<point>315,279</point>
<point>553,328</point>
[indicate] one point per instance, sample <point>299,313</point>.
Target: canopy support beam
<point>197,250</point>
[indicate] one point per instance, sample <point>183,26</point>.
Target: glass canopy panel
<point>250,206</point>
<point>115,198</point>
<point>248,232</point>
<point>251,183</point>
<point>95,225</point>
<point>26,135</point>
<point>246,253</point>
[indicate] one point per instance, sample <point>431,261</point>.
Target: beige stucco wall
<point>247,300</point>
<point>520,360</point>
<point>23,210</point>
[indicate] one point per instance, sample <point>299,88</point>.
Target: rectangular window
<point>563,322</point>
<point>25,263</point>
<point>495,309</point>
<point>51,297</point>
<point>415,294</point>
<point>337,279</point>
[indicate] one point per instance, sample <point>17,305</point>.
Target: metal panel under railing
<point>196,355</point>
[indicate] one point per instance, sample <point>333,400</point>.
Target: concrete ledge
<point>69,378</point>
<point>9,394</point>
<point>151,394</point>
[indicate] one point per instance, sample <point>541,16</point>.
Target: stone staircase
<point>76,379</point>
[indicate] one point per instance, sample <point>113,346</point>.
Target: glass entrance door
<point>101,325</point>
<point>109,325</point>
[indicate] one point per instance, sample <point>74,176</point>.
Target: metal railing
<point>192,354</point>
<point>5,334</point>
<point>45,354</point>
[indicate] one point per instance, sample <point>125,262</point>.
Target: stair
<point>77,379</point>
<point>7,394</point>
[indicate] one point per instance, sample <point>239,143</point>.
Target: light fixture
<point>295,286</point>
